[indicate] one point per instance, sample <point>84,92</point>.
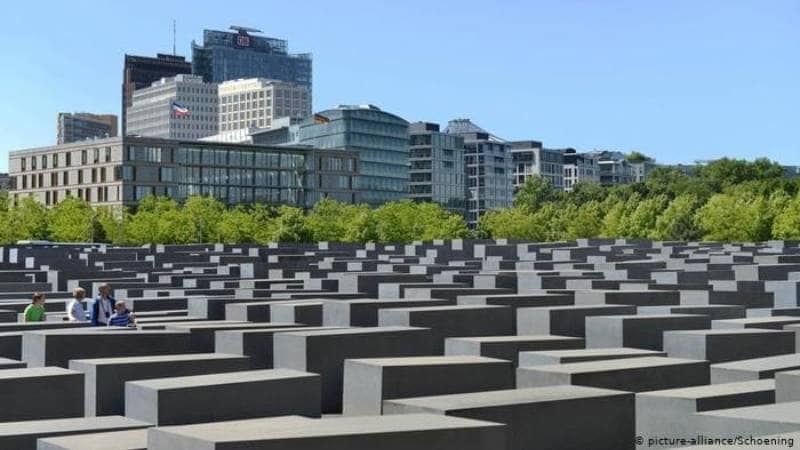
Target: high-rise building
<point>182,107</point>
<point>530,158</point>
<point>141,71</point>
<point>437,167</point>
<point>489,166</point>
<point>256,102</point>
<point>121,171</point>
<point>240,54</point>
<point>578,168</point>
<point>380,138</point>
<point>72,127</point>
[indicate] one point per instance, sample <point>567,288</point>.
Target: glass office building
<point>233,55</point>
<point>488,164</point>
<point>73,127</point>
<point>122,171</point>
<point>437,167</point>
<point>379,138</point>
<point>141,71</point>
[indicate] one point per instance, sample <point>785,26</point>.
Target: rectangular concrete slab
<point>598,418</point>
<point>634,374</point>
<point>508,347</point>
<point>226,396</point>
<point>368,382</point>
<point>40,393</point>
<point>406,432</point>
<point>115,440</point>
<point>728,344</point>
<point>23,435</point>
<point>753,369</point>
<point>547,357</point>
<point>105,377</point>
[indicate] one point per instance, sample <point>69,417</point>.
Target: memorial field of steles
<point>446,345</point>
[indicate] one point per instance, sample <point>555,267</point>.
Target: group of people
<point>104,310</point>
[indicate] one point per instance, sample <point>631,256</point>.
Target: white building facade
<point>257,102</point>
<point>157,110</point>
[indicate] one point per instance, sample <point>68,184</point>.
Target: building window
<point>69,159</point>
<point>83,157</point>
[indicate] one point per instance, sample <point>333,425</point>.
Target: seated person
<point>121,317</point>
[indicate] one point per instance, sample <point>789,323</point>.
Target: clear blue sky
<point>679,80</point>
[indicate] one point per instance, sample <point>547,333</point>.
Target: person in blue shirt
<point>121,317</point>
<point>102,306</point>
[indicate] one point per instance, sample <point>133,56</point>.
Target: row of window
<point>55,160</point>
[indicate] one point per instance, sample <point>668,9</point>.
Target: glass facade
<point>78,127</point>
<point>229,56</point>
<point>381,140</point>
<point>437,167</point>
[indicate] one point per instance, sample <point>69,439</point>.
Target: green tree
<point>642,220</point>
<point>290,226</point>
<point>677,220</point>
<point>203,215</point>
<point>237,226</point>
<point>511,223</point>
<point>585,221</point>
<point>728,217</point>
<point>27,220</point>
<point>71,220</point>
<point>534,193</point>
<point>787,222</point>
<point>636,156</point>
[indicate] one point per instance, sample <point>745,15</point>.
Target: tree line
<point>726,200</point>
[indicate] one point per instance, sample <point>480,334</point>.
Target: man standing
<point>103,306</point>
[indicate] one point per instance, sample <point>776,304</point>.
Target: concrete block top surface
<point>608,365</point>
<point>762,364</point>
<point>73,424</point>
<point>522,338</point>
<point>448,308</point>
<point>353,331</point>
<point>292,427</point>
<point>112,440</point>
<point>506,397</point>
<point>589,352</point>
<point>121,361</point>
<point>221,378</point>
<point>787,412</point>
<point>714,390</point>
<point>727,332</point>
<point>426,361</point>
<point>35,372</point>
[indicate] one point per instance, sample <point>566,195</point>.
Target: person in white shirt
<point>75,310</point>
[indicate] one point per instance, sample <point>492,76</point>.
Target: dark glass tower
<point>228,56</point>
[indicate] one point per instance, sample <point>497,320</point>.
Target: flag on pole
<point>180,110</point>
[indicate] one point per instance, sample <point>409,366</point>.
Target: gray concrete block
<point>114,440</point>
<point>226,396</point>
<point>758,420</point>
<point>508,347</point>
<point>598,418</point>
<point>6,363</point>
<point>450,321</point>
<point>548,357</point>
<point>324,352</point>
<point>105,377</point>
<point>715,312</point>
<point>787,386</point>
<point>257,344</point>
<point>304,312</point>
<point>753,369</point>
<point>23,435</point>
<point>638,331</point>
<point>728,345</point>
<point>363,312</point>
<point>771,323</point>
<point>58,347</point>
<point>40,393</point>
<point>368,382</point>
<point>634,374</point>
<point>410,431</point>
<point>564,320</point>
<point>202,335</point>
<point>667,413</point>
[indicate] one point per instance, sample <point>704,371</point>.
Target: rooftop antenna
<point>174,53</point>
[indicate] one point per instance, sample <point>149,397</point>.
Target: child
<point>75,311</point>
<point>121,317</point>
<point>35,311</point>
